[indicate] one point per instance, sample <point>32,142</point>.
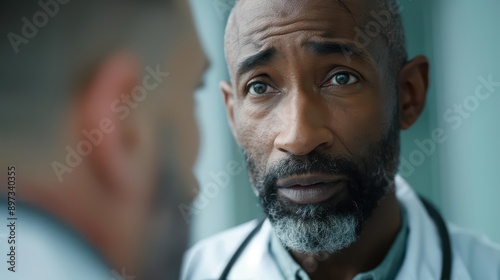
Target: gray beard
<point>324,227</point>
<point>329,235</point>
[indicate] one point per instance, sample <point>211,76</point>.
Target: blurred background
<point>457,168</point>
<point>97,116</point>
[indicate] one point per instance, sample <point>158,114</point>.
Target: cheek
<point>255,133</point>
<point>357,123</point>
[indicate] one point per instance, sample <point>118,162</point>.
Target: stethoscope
<point>433,212</point>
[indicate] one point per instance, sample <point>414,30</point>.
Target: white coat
<point>474,256</point>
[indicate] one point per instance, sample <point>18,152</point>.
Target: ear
<point>413,82</point>
<point>229,99</point>
<point>105,121</point>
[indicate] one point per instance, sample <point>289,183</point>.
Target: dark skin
<point>294,90</point>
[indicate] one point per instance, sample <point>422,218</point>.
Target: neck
<point>378,234</point>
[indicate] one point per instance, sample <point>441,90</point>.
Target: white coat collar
<point>423,259</point>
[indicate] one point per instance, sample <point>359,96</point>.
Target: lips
<point>310,188</point>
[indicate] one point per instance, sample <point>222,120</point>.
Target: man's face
<point>316,116</point>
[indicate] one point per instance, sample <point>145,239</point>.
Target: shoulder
<point>474,255</point>
<point>479,255</point>
<point>209,256</point>
<point>39,245</point>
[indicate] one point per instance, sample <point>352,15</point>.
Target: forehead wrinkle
<point>262,26</point>
<point>252,61</point>
<point>283,14</point>
<point>270,29</point>
<point>337,46</point>
<point>262,35</point>
<point>304,41</point>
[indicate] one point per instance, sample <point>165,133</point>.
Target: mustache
<point>312,163</point>
<point>318,163</point>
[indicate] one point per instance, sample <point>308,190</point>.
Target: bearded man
<point>318,112</point>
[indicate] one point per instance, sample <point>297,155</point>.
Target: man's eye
<point>343,78</point>
<point>259,88</point>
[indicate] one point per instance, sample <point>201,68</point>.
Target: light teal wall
<point>467,47</point>
<point>457,175</point>
<point>226,198</point>
<point>420,171</point>
<point>462,41</point>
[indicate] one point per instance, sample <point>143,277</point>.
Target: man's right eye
<point>259,88</point>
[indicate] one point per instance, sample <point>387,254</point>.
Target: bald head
<point>374,26</point>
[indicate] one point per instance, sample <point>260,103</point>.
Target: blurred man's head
<point>319,92</point>
<point>97,115</point>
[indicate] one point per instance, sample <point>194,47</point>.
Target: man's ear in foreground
<point>106,108</point>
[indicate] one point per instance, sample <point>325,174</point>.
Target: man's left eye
<point>343,78</point>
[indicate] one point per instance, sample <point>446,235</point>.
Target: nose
<point>304,126</point>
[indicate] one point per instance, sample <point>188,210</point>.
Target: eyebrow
<point>259,59</point>
<point>344,48</point>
